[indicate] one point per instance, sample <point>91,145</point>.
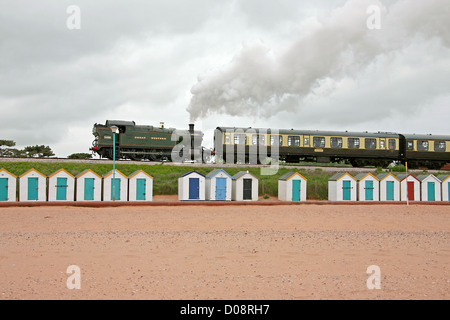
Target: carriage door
<point>115,189</point>
<point>390,190</point>
<point>3,189</point>
<point>61,188</point>
<point>140,189</point>
<point>221,188</point>
<point>411,192</point>
<point>33,186</point>
<point>194,192</point>
<point>296,185</point>
<point>369,190</point>
<point>431,191</point>
<point>247,189</point>
<point>346,188</point>
<point>89,189</point>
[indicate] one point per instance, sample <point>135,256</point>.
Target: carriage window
<point>293,141</point>
<point>422,145</point>
<point>439,146</point>
<point>319,142</point>
<point>353,143</point>
<point>258,139</point>
<point>276,140</point>
<point>371,143</point>
<point>410,145</point>
<point>382,146</point>
<point>336,142</point>
<point>306,142</point>
<point>227,139</point>
<point>392,144</point>
<point>240,139</point>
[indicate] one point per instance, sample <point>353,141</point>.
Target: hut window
<point>319,142</point>
<point>422,145</point>
<point>371,143</point>
<point>353,143</point>
<point>410,145</point>
<point>258,139</point>
<point>293,141</point>
<point>439,146</point>
<point>276,140</point>
<point>336,142</point>
<point>392,144</point>
<point>240,139</point>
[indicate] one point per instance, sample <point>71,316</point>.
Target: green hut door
<point>369,190</point>
<point>346,188</point>
<point>33,185</point>
<point>431,191</point>
<point>61,189</point>
<point>115,189</point>
<point>296,186</point>
<point>3,189</point>
<point>390,190</point>
<point>89,189</point>
<point>140,189</point>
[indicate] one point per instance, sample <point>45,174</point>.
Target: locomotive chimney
<point>191,128</point>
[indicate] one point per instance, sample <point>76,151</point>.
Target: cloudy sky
<point>339,65</point>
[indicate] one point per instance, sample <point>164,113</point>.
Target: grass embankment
<point>165,176</point>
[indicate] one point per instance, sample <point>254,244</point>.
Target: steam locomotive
<point>251,145</point>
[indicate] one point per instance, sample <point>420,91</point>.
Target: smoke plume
<point>259,81</point>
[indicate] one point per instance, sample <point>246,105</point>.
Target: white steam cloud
<point>259,81</point>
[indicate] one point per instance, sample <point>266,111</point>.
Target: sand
<point>226,252</point>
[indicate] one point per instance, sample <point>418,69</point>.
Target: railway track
<point>212,165</point>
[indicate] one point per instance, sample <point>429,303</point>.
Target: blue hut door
<point>140,189</point>
<point>347,187</point>
<point>33,186</point>
<point>115,188</point>
<point>89,189</point>
<point>221,188</point>
<point>390,190</point>
<point>431,191</point>
<point>194,186</point>
<point>369,190</point>
<point>61,188</point>
<point>296,185</point>
<point>3,189</point>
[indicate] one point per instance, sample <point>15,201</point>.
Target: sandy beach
<point>225,252</point>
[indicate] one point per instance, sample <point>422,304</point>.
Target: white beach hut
<point>409,187</point>
<point>342,187</point>
<point>8,186</point>
<point>292,186</point>
<point>368,187</point>
<point>32,186</point>
<point>218,185</point>
<point>389,187</point>
<point>61,186</point>
<point>245,187</point>
<point>117,191</point>
<point>140,186</point>
<point>191,186</point>
<point>89,186</point>
<point>430,188</point>
<point>445,186</point>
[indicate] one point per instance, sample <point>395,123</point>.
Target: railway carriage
<point>431,151</point>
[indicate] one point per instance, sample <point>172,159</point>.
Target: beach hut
<point>61,186</point>
<point>368,187</point>
<point>431,187</point>
<point>445,186</point>
<point>342,187</point>
<point>191,186</point>
<point>389,187</point>
<point>245,187</point>
<point>292,186</point>
<point>218,185</point>
<point>140,186</point>
<point>8,186</point>
<point>89,186</point>
<point>117,189</point>
<point>409,185</point>
<point>32,186</point>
